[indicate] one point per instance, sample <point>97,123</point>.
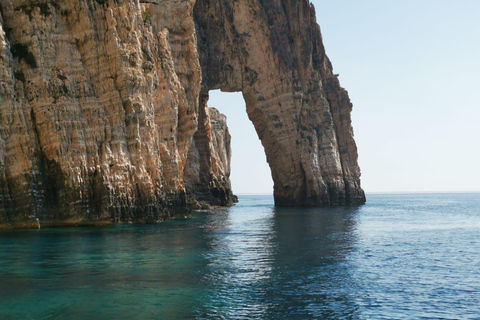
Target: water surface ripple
<point>397,257</point>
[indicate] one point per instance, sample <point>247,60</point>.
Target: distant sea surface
<point>406,256</point>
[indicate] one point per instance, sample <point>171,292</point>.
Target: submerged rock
<point>104,117</point>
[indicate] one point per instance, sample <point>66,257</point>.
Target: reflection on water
<point>398,257</point>
<point>313,278</point>
<point>273,263</point>
<point>240,266</point>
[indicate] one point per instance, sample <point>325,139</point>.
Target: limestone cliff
<point>104,117</point>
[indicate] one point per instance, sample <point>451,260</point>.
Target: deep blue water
<point>397,257</point>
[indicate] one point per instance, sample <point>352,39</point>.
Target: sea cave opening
<point>250,172</point>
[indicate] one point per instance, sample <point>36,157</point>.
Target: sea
<point>399,256</point>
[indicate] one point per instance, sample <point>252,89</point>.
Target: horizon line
<point>376,192</point>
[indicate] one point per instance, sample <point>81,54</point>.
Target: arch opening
<point>250,172</point>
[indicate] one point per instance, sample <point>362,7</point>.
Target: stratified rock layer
<point>104,117</point>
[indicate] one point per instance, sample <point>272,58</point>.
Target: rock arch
<point>272,52</point>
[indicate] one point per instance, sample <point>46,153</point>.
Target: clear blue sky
<point>412,69</point>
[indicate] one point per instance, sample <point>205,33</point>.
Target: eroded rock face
<point>98,109</point>
<point>104,117</point>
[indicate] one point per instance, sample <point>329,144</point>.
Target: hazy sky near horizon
<point>412,69</point>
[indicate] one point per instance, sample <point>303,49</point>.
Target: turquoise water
<point>397,257</point>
